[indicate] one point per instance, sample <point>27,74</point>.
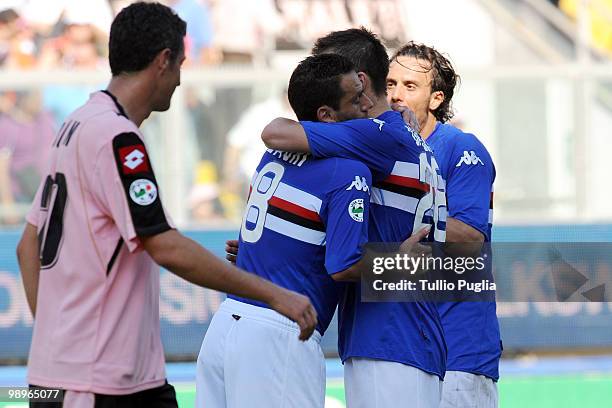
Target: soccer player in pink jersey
<point>97,229</point>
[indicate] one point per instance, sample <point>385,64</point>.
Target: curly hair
<point>139,32</point>
<point>362,48</point>
<point>444,76</point>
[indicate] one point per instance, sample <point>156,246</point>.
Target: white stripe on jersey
<point>294,231</point>
<point>391,199</point>
<point>298,197</point>
<point>406,169</point>
<point>441,214</point>
<point>441,183</point>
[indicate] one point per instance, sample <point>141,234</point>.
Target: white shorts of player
<point>468,390</point>
<point>385,384</point>
<point>251,357</point>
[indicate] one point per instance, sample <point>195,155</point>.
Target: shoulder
<point>341,172</point>
<point>110,130</point>
<point>459,138</point>
<point>461,142</point>
<point>350,167</point>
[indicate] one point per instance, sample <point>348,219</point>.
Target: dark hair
<point>316,82</point>
<point>139,32</point>
<point>363,49</point>
<point>8,16</point>
<point>444,77</point>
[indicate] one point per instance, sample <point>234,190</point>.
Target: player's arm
<point>29,264</point>
<point>127,188</point>
<point>346,220</point>
<point>187,259</point>
<point>286,135</point>
<point>459,231</point>
<point>468,193</point>
<point>364,140</point>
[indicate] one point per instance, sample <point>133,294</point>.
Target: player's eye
<point>390,85</point>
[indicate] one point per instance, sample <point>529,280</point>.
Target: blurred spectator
<point>45,14</point>
<point>25,140</point>
<point>245,149</point>
<point>204,203</point>
<point>17,49</point>
<point>307,20</point>
<point>199,30</point>
<point>244,31</point>
<point>79,47</point>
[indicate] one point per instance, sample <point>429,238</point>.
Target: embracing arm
<point>187,259</point>
<point>286,135</point>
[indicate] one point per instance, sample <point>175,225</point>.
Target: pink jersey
<point>97,320</point>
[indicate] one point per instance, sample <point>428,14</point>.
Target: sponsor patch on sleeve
<point>356,209</point>
<point>139,184</point>
<point>133,159</point>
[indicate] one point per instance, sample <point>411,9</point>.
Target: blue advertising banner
<point>186,309</point>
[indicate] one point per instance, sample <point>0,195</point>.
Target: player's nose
<point>397,95</point>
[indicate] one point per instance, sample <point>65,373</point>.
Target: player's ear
<point>162,59</point>
<point>365,81</point>
<point>326,114</point>
<point>435,100</point>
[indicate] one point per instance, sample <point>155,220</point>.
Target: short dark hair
<point>444,76</point>
<point>139,32</point>
<point>362,48</point>
<point>316,82</point>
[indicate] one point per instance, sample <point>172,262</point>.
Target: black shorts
<point>160,397</point>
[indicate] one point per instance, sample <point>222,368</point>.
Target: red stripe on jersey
<point>294,208</point>
<point>491,202</point>
<point>407,182</point>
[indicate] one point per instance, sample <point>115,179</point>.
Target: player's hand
<point>408,115</point>
<point>231,250</point>
<point>297,308</point>
<point>412,245</point>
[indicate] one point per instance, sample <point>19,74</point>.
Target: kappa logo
<point>133,159</point>
<point>469,159</point>
<point>360,184</point>
<point>380,124</point>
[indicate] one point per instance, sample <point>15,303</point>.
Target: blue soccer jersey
<point>407,194</point>
<point>471,328</point>
<point>305,220</point>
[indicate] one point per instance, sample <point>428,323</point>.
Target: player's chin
<point>162,107</point>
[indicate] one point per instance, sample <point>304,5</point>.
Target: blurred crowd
<point>223,124</point>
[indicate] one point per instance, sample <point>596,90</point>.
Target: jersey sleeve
<point>468,186</point>
<point>365,140</point>
<point>128,189</point>
<point>347,215</point>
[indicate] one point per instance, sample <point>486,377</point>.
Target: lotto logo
<point>133,159</point>
<point>469,159</point>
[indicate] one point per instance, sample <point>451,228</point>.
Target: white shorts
<point>385,384</point>
<point>251,357</point>
<point>468,390</point>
